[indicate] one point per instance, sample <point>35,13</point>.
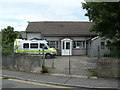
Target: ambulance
<point>34,47</point>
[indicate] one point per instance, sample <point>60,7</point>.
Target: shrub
<point>7,49</point>
<point>107,55</point>
<point>93,71</point>
<point>44,70</point>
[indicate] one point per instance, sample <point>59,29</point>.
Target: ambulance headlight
<point>53,52</point>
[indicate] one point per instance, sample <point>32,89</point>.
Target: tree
<point>106,16</point>
<point>8,37</point>
<point>0,42</point>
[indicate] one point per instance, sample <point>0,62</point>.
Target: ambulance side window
<point>41,45</point>
<point>34,45</point>
<point>45,47</point>
<point>25,45</point>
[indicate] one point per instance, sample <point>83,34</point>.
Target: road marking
<point>38,83</point>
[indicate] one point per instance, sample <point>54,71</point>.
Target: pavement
<point>63,80</point>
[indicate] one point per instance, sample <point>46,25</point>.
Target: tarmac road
<point>15,83</point>
<point>9,83</point>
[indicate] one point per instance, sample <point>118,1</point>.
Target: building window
<point>26,45</point>
<point>83,44</point>
<point>74,44</point>
<point>89,45</point>
<point>79,44</point>
<point>67,45</point>
<point>53,44</point>
<point>56,44</point>
<point>102,45</point>
<point>34,45</point>
<point>63,45</point>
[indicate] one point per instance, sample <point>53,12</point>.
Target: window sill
<point>79,48</point>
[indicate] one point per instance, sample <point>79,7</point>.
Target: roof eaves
<point>61,35</point>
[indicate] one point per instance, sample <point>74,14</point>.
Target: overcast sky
<point>17,13</point>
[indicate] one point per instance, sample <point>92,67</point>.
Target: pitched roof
<point>61,28</point>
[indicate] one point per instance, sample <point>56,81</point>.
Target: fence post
<point>43,64</point>
<point>98,51</point>
<point>98,59</point>
<point>40,64</point>
<point>53,63</point>
<point>69,63</point>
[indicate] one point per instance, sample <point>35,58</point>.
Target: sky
<point>17,13</point>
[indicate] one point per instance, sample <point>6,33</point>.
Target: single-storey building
<point>97,46</point>
<point>68,37</point>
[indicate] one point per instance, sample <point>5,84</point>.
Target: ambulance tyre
<point>48,56</point>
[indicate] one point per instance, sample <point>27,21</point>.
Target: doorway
<point>66,46</point>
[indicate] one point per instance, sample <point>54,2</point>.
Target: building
<point>68,37</point>
<point>97,47</point>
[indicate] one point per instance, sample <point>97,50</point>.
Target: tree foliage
<point>106,16</point>
<point>0,42</point>
<point>8,37</point>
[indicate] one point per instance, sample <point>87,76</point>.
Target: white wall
<point>53,38</point>
<point>93,51</point>
<point>80,38</point>
<point>78,51</point>
<point>33,35</point>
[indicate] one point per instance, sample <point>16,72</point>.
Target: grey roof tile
<point>61,28</point>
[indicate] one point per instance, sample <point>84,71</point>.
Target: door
<point>66,47</point>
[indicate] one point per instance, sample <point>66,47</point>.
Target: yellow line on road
<point>38,83</point>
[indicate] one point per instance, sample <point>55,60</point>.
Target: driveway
<point>79,65</point>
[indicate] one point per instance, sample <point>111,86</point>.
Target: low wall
<point>108,67</point>
<point>29,63</point>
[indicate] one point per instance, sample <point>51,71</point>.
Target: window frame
<point>55,44</point>
<point>81,46</point>
<point>103,45</point>
<point>34,47</point>
<point>25,47</point>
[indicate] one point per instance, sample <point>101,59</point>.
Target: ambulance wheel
<point>48,56</point>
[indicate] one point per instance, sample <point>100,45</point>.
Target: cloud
<point>17,12</point>
<point>44,1</point>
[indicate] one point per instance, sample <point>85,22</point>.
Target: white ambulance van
<point>34,47</point>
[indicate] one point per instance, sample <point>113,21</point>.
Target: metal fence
<point>100,66</point>
<point>71,65</point>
